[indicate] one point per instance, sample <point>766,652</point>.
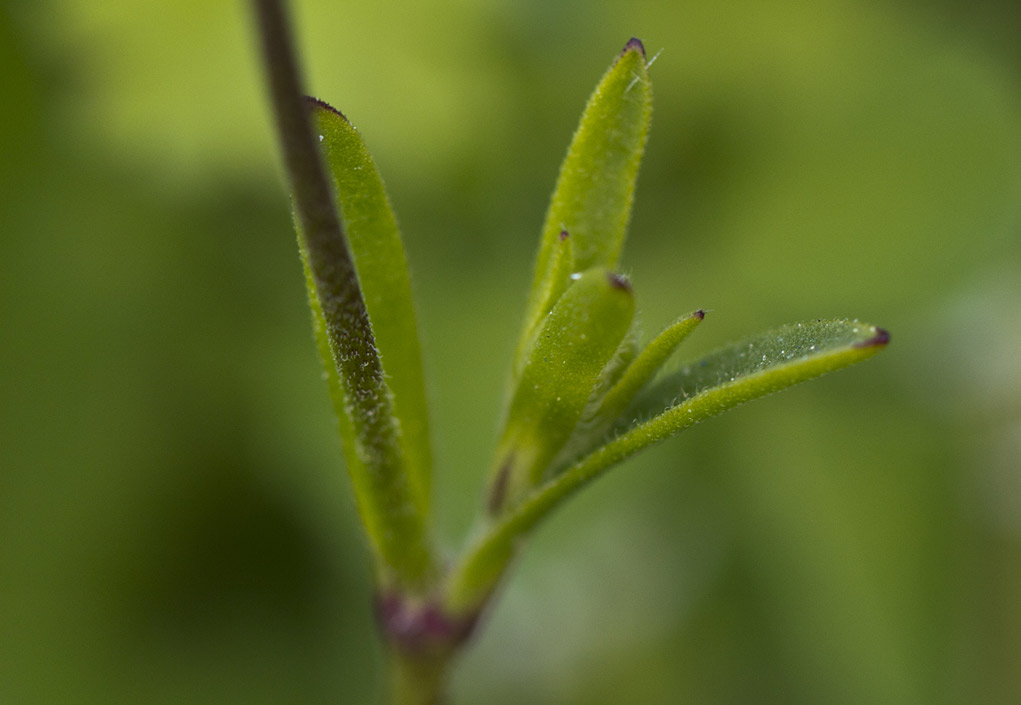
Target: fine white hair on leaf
<point>631,85</point>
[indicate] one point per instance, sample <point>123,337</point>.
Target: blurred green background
<point>175,524</point>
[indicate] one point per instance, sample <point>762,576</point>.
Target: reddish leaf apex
<point>619,282</point>
<point>699,314</point>
<point>325,106</point>
<point>634,44</point>
<point>881,338</point>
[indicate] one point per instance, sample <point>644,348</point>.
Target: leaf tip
<point>617,281</point>
<point>634,44</point>
<point>699,314</point>
<point>879,340</point>
<point>317,103</point>
<point>564,235</point>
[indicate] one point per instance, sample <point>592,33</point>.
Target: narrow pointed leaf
<point>577,340</point>
<point>646,365</point>
<point>594,191</point>
<point>760,365</point>
<point>561,265</point>
<point>396,529</point>
<point>382,268</point>
<point>721,381</point>
<point>604,409</point>
<point>622,359</point>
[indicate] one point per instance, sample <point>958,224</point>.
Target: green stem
<point>417,681</point>
<point>423,640</point>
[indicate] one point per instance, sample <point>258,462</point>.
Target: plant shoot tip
<point>617,281</point>
<point>634,44</point>
<point>699,314</point>
<point>881,338</point>
<point>325,106</point>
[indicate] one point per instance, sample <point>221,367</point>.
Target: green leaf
<point>561,266</point>
<point>757,366</point>
<point>395,526</point>
<point>622,359</point>
<point>646,365</point>
<point>378,253</point>
<point>595,189</point>
<point>390,489</point>
<point>722,380</point>
<point>604,409</point>
<point>577,340</point>
<point>397,530</point>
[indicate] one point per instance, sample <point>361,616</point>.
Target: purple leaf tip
<point>325,106</point>
<point>699,314</point>
<point>634,44</point>
<point>881,338</point>
<point>618,282</point>
<point>564,235</point>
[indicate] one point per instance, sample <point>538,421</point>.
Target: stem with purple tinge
<point>421,639</point>
<point>423,642</point>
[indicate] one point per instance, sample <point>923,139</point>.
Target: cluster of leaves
<point>584,393</point>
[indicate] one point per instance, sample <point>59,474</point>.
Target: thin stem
<point>423,640</point>
<point>400,537</point>
<point>417,677</point>
<point>416,681</point>
<point>336,279</point>
<point>313,199</point>
<point>329,258</point>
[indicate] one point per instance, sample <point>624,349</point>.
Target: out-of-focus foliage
<point>175,524</point>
